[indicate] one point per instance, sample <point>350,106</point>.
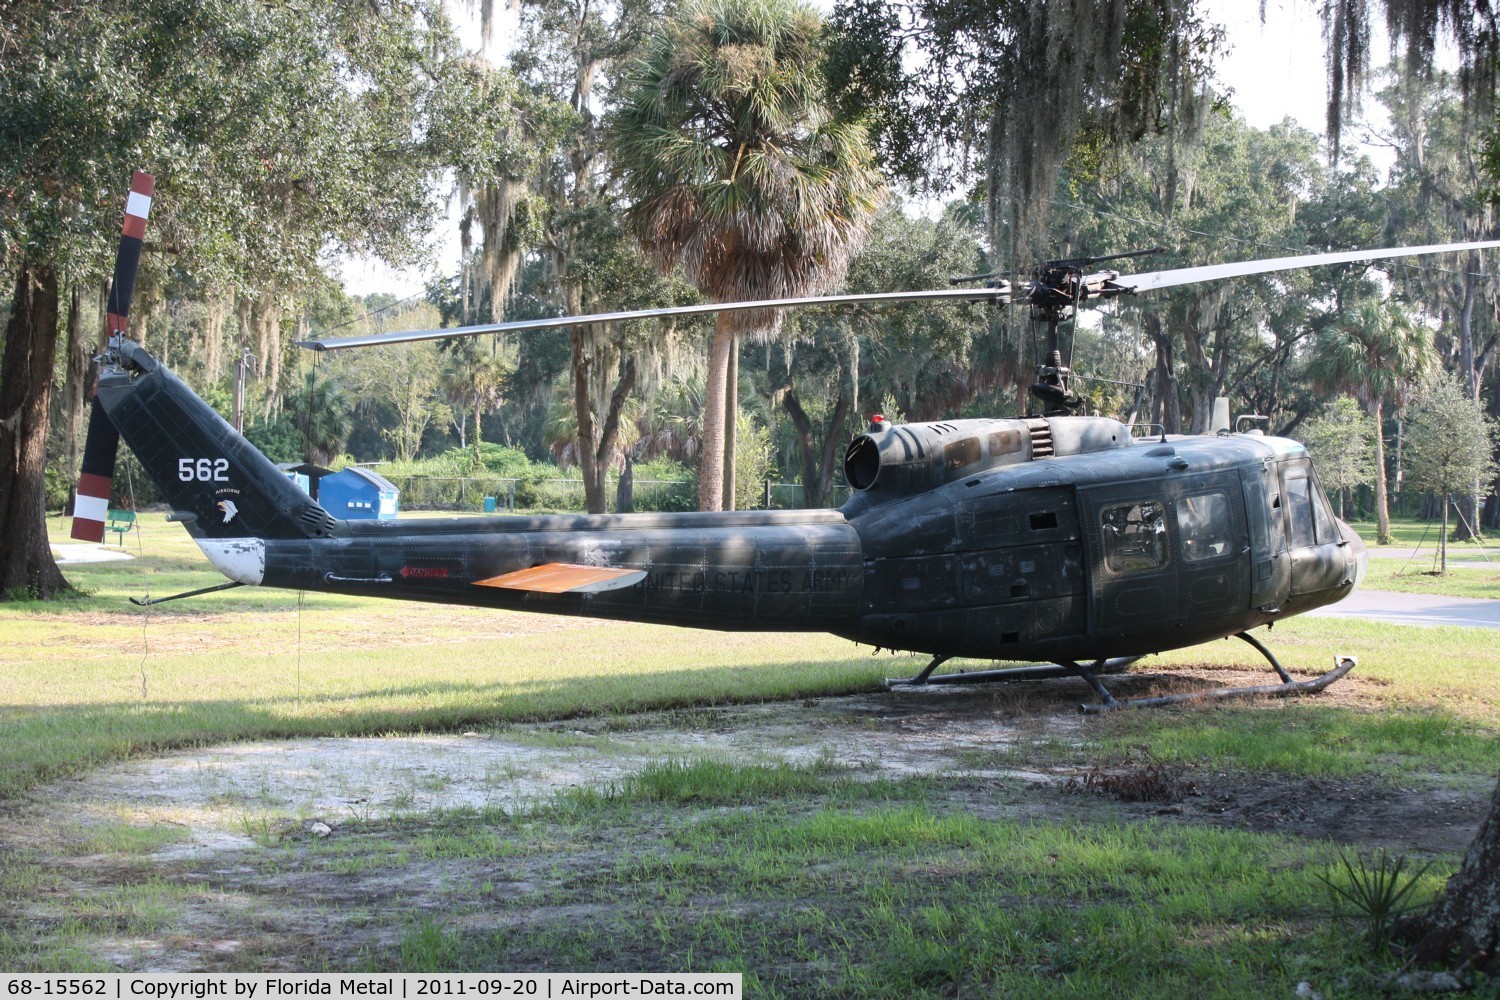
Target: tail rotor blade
<point>91,505</point>
<point>137,208</point>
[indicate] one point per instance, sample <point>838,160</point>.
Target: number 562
<point>206,470</point>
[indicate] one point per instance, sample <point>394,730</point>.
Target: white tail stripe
<point>138,205</point>
<point>243,560</point>
<point>91,508</point>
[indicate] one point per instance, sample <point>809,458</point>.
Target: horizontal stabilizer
<point>565,578</point>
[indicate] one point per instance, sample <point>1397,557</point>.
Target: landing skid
<point>1107,701</point>
<point>1040,672</point>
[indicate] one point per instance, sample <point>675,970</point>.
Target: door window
<point>1134,536</point>
<point>1203,524</point>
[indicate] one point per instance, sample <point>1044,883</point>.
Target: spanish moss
<point>1416,28</point>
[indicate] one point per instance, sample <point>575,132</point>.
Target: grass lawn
<point>814,879</point>
<point>1417,576</point>
<point>1410,532</point>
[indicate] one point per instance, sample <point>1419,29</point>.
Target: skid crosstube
<point>1107,702</point>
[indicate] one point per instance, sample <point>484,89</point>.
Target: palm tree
<point>738,171</point>
<point>1377,351</point>
<point>474,380</point>
<point>320,412</point>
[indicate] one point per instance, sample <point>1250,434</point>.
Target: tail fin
<point>218,483</point>
<point>100,447</point>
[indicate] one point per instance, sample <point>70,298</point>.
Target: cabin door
<point>1270,566</point>
<point>1133,583</point>
<point>1213,547</point>
<point>1318,558</point>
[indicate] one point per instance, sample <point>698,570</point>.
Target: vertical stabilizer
<point>218,483</point>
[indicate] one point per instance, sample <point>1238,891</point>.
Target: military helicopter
<point>1054,538</point>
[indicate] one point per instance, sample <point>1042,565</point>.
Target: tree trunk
<point>816,462</point>
<point>1166,407</point>
<point>854,377</point>
<point>75,386</point>
<point>1466,329</point>
<point>1382,502</point>
<point>1443,538</point>
<point>583,412</point>
<point>1400,452</point>
<point>1492,503</point>
<point>711,455</point>
<point>1132,415</point>
<point>27,568</point>
<point>478,452</point>
<point>1203,406</point>
<point>625,488</point>
<point>610,432</point>
<point>1464,927</point>
<point>806,450</point>
<point>1466,503</point>
<point>1278,362</point>
<point>831,442</point>
<point>731,420</point>
<point>596,441</point>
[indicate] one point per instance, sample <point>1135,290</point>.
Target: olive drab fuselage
<point>1033,538</point>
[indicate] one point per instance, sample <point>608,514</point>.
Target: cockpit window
<point>1203,524</point>
<point>1135,536</point>
<point>1328,530</point>
<point>1299,509</point>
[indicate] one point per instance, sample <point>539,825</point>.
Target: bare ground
<point>234,872</point>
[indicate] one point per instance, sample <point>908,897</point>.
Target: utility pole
<point>244,363</point>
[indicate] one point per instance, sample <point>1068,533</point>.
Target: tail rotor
<point>91,509</point>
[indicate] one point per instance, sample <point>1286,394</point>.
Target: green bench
<point>120,521</point>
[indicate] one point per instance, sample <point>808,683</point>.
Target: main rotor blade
<point>1002,294</point>
<point>998,294</point>
<point>1152,280</point>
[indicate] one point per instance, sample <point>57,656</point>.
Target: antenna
<point>244,363</point>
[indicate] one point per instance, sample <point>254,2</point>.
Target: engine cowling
<point>895,460</point>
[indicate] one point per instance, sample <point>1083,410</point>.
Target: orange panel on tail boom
<point>565,578</point>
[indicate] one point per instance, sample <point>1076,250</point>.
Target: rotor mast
<point>1056,289</point>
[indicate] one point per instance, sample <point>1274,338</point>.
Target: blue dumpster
<point>358,494</point>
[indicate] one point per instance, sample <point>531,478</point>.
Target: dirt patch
<point>1360,812</point>
<point>224,794</point>
<point>244,875</point>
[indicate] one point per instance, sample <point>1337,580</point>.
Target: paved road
<point>1414,609</point>
<point>86,553</point>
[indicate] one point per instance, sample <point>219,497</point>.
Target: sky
<point>1275,70</point>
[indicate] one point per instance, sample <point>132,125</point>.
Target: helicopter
<point>1056,538</point>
